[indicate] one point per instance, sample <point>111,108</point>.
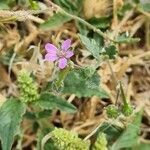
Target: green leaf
<point>83,84</point>
<point>103,22</point>
<point>61,76</point>
<point>145,7</point>
<point>136,1</point>
<point>126,7</point>
<point>129,137</point>
<point>110,51</point>
<point>37,115</point>
<point>11,114</point>
<point>74,7</point>
<point>49,145</point>
<point>4,4</point>
<point>91,45</point>
<point>49,101</point>
<point>55,21</point>
<point>34,4</point>
<point>142,146</point>
<point>111,130</point>
<point>126,39</point>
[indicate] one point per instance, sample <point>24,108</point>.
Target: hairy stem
<point>84,22</point>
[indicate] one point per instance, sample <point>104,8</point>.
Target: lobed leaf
<point>91,45</point>
<point>83,84</point>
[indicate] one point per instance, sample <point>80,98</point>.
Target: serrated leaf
<point>91,45</point>
<point>49,101</point>
<point>81,84</point>
<point>11,114</point>
<point>55,21</point>
<point>110,51</point>
<point>129,137</point>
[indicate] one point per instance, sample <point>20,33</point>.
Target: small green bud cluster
<point>68,140</point>
<point>127,109</point>
<point>101,142</point>
<point>28,89</point>
<point>112,111</point>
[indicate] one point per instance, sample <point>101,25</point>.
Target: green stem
<point>112,72</point>
<point>88,25</point>
<point>84,22</point>
<point>122,94</point>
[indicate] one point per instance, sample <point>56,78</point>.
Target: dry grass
<point>25,41</point>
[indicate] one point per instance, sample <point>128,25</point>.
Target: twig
<point>112,72</point>
<point>93,132</point>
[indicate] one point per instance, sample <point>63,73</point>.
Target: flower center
<point>61,53</point>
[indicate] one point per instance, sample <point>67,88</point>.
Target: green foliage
<point>111,130</point>
<point>4,4</point>
<point>127,109</point>
<point>126,39</point>
<point>145,7</point>
<point>129,137</point>
<point>38,115</point>
<point>136,1</point>
<point>49,101</point>
<point>34,4</point>
<point>28,89</point>
<point>61,76</point>
<point>68,140</point>
<point>83,84</point>
<point>55,21</point>
<point>112,111</point>
<point>101,142</point>
<point>126,7</point>
<point>102,23</point>
<point>49,145</point>
<point>110,51</point>
<point>11,114</point>
<point>74,7</point>
<point>94,47</point>
<point>142,146</point>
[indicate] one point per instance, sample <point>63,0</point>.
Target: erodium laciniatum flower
<point>61,55</point>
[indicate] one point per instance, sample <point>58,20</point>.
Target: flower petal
<point>50,48</point>
<point>69,54</point>
<point>51,57</point>
<point>66,45</point>
<point>62,63</point>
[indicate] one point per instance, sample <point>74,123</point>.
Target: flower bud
<point>27,88</point>
<point>112,111</point>
<point>68,140</point>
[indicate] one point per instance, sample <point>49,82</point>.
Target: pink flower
<point>60,55</point>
